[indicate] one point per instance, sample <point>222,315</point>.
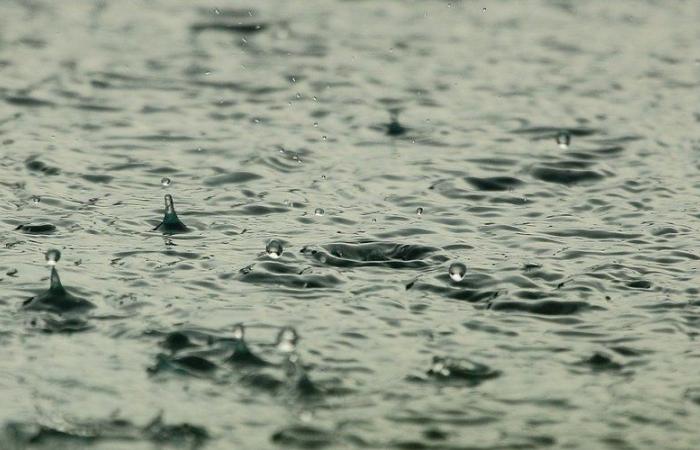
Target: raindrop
<point>52,256</point>
<point>165,181</point>
<point>239,331</point>
<point>319,212</point>
<point>36,199</point>
<point>563,139</point>
<point>419,211</point>
<point>274,249</point>
<point>287,340</point>
<point>457,271</point>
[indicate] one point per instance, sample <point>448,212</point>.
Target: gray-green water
<point>326,125</point>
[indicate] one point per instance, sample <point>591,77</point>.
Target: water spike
<point>171,223</point>
<point>56,285</point>
<point>394,128</point>
<point>56,299</point>
<point>241,353</point>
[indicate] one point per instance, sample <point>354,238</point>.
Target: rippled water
<point>550,147</point>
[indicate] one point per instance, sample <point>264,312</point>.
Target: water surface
<point>378,143</point>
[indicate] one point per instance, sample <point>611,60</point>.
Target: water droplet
<point>274,249</point>
<point>298,94</point>
<point>419,211</point>
<point>239,332</point>
<point>36,199</point>
<point>325,137</point>
<point>457,271</point>
<point>316,124</point>
<point>165,181</point>
<point>287,340</point>
<point>52,256</point>
<point>319,212</point>
<point>563,139</point>
<point>483,9</point>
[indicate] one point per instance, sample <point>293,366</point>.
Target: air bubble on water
<point>315,98</point>
<point>319,212</point>
<point>239,331</point>
<point>315,124</point>
<point>287,340</point>
<point>325,138</point>
<point>298,94</point>
<point>274,249</point>
<point>165,181</point>
<point>563,139</point>
<point>217,11</point>
<point>457,271</point>
<point>36,199</point>
<point>52,256</point>
<point>419,211</point>
<point>483,9</point>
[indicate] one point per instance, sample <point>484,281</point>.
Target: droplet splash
<point>457,271</point>
<point>52,257</point>
<point>171,223</point>
<point>274,249</point>
<point>563,139</point>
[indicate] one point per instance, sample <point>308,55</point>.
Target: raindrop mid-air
<point>287,340</point>
<point>457,271</point>
<point>274,249</point>
<point>52,257</point>
<point>563,139</point>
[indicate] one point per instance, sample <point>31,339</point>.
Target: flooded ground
<point>481,218</point>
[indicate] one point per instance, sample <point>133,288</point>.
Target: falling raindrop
<point>287,340</point>
<point>239,331</point>
<point>52,256</point>
<point>457,271</point>
<point>274,249</point>
<point>563,139</point>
